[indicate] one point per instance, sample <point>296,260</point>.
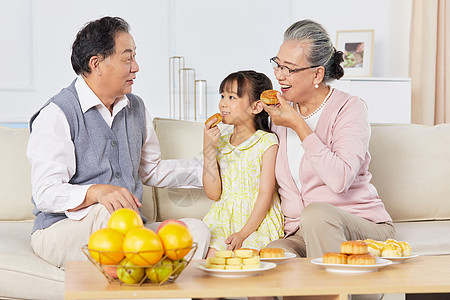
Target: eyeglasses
<point>286,71</point>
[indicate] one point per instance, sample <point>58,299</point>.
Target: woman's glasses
<point>286,71</point>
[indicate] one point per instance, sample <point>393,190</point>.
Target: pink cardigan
<point>334,168</point>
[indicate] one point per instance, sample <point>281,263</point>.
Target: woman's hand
<point>282,114</point>
<point>235,241</point>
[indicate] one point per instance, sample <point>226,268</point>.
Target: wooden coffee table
<point>295,277</point>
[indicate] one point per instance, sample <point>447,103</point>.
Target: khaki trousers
<point>323,227</point>
<point>63,240</point>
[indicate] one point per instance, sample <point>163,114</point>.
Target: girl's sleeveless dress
<point>240,169</point>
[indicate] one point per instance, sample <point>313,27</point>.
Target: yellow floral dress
<point>240,169</point>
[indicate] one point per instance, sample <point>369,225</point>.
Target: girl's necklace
<point>318,109</point>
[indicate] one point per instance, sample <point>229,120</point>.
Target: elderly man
<point>92,146</point>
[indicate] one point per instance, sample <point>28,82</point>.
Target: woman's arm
<point>211,175</point>
<point>263,202</point>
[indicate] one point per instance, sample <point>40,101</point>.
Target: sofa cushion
<point>426,238</point>
<point>180,139</point>
<point>410,167</point>
<point>148,204</point>
<point>15,182</point>
<point>24,275</point>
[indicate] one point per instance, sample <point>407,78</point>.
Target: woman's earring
<point>316,86</point>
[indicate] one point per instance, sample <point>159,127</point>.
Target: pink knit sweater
<point>334,168</point>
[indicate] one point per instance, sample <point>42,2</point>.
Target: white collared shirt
<point>51,153</point>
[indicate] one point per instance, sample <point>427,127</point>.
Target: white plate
<point>235,273</point>
<point>399,260</point>
<point>279,260</point>
<point>342,268</point>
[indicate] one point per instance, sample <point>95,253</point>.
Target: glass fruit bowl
<point>165,270</point>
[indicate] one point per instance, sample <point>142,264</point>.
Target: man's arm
<point>171,173</point>
<point>52,156</point>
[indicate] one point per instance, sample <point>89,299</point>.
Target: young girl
<point>239,168</point>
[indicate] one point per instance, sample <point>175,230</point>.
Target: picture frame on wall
<point>357,46</point>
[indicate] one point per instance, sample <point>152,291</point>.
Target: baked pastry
<point>361,259</point>
<point>380,244</point>
<point>369,241</point>
<point>215,267</point>
<point>215,260</point>
<point>406,248</point>
<point>224,254</point>
<point>269,97</point>
<point>390,241</point>
<point>374,249</point>
<point>334,258</point>
<point>391,250</point>
<point>354,247</point>
<point>234,261</point>
<point>243,258</point>
<point>255,252</point>
<point>251,261</point>
<point>271,253</point>
<point>243,253</point>
<point>217,116</point>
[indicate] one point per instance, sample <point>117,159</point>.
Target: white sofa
<point>410,167</point>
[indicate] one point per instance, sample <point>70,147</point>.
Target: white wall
<point>390,20</point>
<point>215,37</point>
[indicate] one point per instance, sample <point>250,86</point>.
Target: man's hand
<point>112,197</point>
<point>235,241</point>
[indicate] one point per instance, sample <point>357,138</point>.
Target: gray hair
<point>321,51</point>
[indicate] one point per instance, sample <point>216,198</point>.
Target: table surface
<point>296,276</point>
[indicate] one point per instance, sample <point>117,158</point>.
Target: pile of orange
<point>126,241</point>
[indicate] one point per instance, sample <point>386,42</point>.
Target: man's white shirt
<point>51,153</point>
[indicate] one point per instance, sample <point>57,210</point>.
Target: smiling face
<point>235,110</point>
<point>118,70</point>
<point>298,84</point>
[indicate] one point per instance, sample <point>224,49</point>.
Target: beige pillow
<point>411,170</point>
<point>15,175</point>
<point>180,139</point>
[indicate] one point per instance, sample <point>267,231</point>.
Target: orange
<point>124,220</point>
<point>105,246</point>
<point>147,243</point>
<point>175,237</point>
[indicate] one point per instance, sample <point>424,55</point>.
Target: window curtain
<point>429,64</point>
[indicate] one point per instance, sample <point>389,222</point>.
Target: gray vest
<point>103,155</point>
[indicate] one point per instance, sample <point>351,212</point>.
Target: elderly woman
<point>323,159</point>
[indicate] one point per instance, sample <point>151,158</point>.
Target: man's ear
<point>257,107</point>
<point>94,64</point>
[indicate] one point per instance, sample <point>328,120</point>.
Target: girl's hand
<point>210,136</point>
<point>235,241</point>
<point>282,114</point>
